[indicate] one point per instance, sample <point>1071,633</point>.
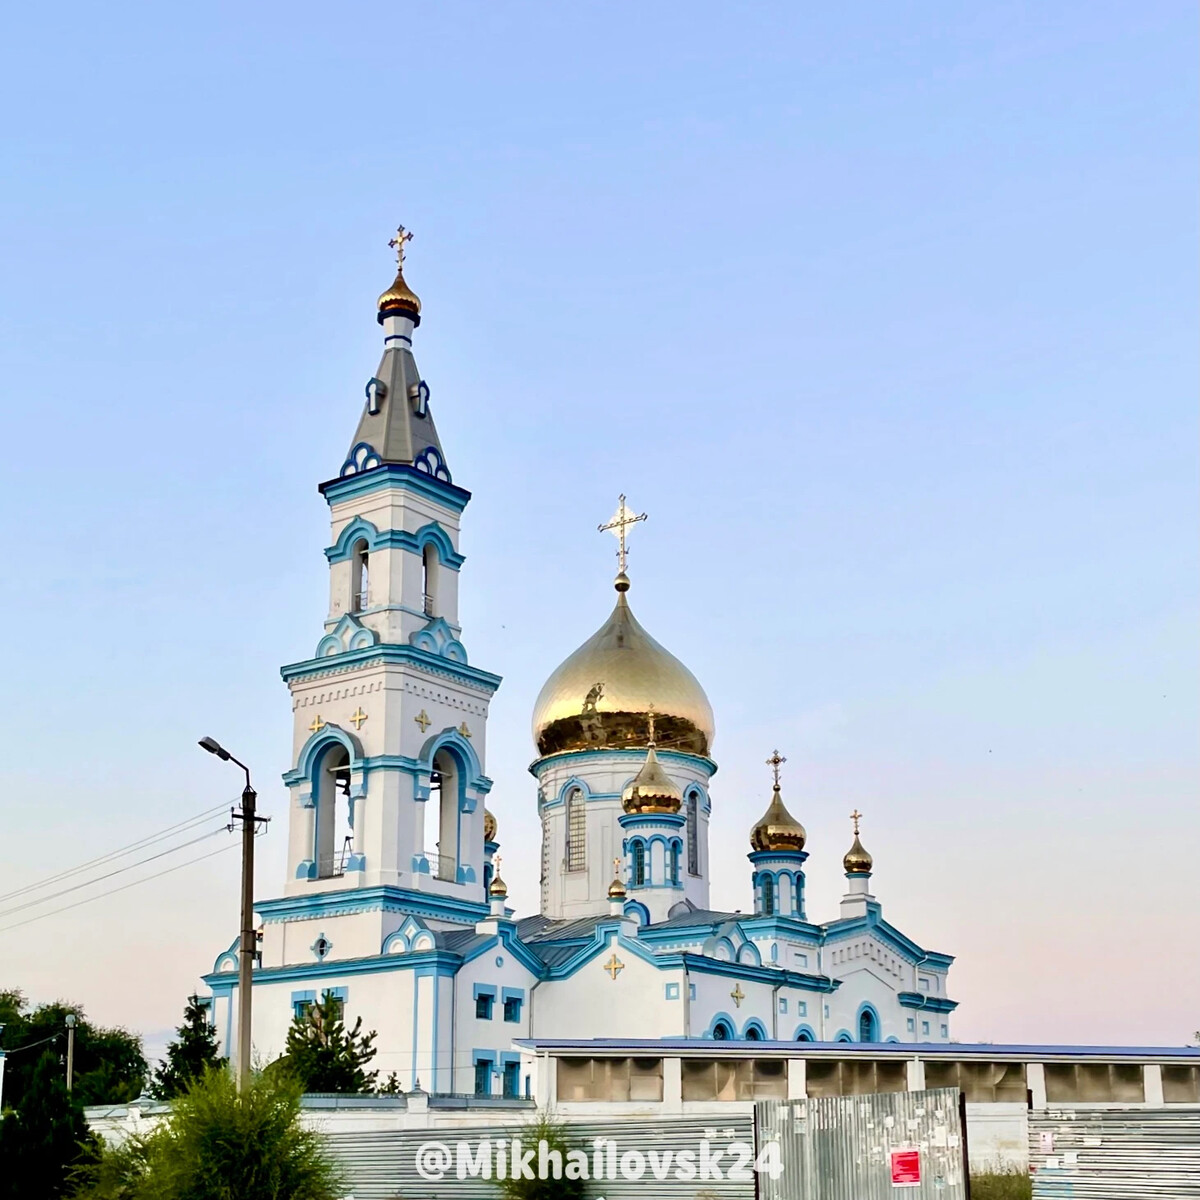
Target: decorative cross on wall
<point>317,724</point>
<point>737,995</point>
<point>622,519</point>
<point>359,717</point>
<point>614,967</point>
<point>422,719</point>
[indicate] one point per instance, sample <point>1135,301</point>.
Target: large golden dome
<point>601,696</point>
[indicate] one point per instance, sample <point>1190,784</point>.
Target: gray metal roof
<point>403,426</point>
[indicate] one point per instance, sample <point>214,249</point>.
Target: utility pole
<point>71,1020</point>
<point>248,948</point>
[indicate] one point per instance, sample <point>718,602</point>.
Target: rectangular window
<point>783,1004</point>
<point>483,1077</point>
<point>611,1079</point>
<point>672,991</point>
<point>300,1008</point>
<point>511,1081</point>
<point>801,1008</point>
<point>693,834</point>
<point>512,1008</point>
<point>576,831</point>
<point>923,984</point>
<point>912,1025</point>
<point>734,1079</point>
<point>925,1027</point>
<point>483,1005</point>
<point>802,960</point>
<point>945,1031</point>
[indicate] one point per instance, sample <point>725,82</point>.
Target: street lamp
<point>248,947</point>
<point>71,1020</point>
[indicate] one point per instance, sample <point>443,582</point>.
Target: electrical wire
<point>141,844</point>
<point>123,888</point>
<point>8,912</point>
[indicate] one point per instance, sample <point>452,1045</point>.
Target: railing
<point>441,866</point>
<point>427,601</point>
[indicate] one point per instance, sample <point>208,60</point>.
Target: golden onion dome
<point>616,890</point>
<point>400,300</point>
<point>652,789</point>
<point>601,696</point>
<point>857,860</point>
<point>497,889</point>
<point>489,826</point>
<point>777,829</point>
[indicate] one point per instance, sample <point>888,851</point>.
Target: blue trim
<point>722,1018</point>
<point>642,820</point>
<point>843,1035</point>
<point>362,530</point>
<point>758,1027</point>
<point>397,475</point>
<point>385,898</point>
<point>863,1009</point>
<point>638,911</point>
<point>606,755</point>
<point>938,1004</point>
<point>671,991</point>
<point>808,1029</point>
<point>409,656</point>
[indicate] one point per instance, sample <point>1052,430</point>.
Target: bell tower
<point>390,719</point>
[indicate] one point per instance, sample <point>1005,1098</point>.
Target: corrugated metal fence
<point>1132,1154</point>
<point>872,1147</point>
<point>382,1164</point>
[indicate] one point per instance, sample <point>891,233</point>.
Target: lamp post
<point>247,950</point>
<point>71,1021</point>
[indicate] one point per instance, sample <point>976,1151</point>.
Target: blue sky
<point>886,313</point>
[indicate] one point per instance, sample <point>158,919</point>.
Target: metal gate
<point>890,1146</point>
<point>1126,1154</point>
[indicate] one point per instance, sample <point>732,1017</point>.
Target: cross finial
<point>397,243</point>
<point>617,868</point>
<point>620,523</point>
<point>775,762</point>
<point>856,816</point>
<point>496,860</point>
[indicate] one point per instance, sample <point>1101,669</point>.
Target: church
<point>394,901</point>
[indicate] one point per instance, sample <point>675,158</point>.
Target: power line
<point>123,888</point>
<point>141,844</point>
<point>141,862</point>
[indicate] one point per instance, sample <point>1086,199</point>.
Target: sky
<point>885,313</point>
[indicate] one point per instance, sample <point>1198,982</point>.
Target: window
<point>912,1025</point>
<point>483,1005</point>
<point>429,566</point>
<point>675,863</point>
<point>693,833</point>
<point>801,959</point>
<point>359,576</point>
<point>753,1034</point>
<point>734,1079</point>
<point>802,1008</point>
<point>483,1077</point>
<point>923,984</point>
<point>512,1008</point>
<point>614,1079</point>
<point>300,1008</point>
<point>444,793</point>
<point>783,1004</point>
<point>804,1036</point>
<point>639,864</point>
<point>334,839</point>
<point>510,1077</point>
<point>721,1032</point>
<point>768,896</point>
<point>576,830</point>
<point>925,1027</point>
<point>945,1031</point>
<point>868,1026</point>
<point>336,1005</point>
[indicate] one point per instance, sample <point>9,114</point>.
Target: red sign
<point>906,1168</point>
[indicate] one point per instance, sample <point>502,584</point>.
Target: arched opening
<point>753,1033</point>
<point>445,787</point>
<point>429,568</point>
<point>674,863</point>
<point>576,854</point>
<point>360,588</point>
<point>331,792</point>
<point>722,1032</point>
<point>768,896</point>
<point>804,1036</point>
<point>639,864</point>
<point>693,833</point>
<point>868,1025</point>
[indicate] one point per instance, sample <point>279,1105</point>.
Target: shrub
<point>1001,1185</point>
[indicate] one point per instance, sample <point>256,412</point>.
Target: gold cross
<point>317,724</point>
<point>775,762</point>
<point>614,967</point>
<point>496,865</point>
<point>622,519</point>
<point>397,243</point>
<point>359,717</point>
<point>464,730</point>
<point>616,868</point>
<point>422,719</point>
<point>856,816</point>
<point>737,995</point>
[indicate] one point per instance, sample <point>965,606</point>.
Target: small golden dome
<point>497,889</point>
<point>777,829</point>
<point>652,789</point>
<point>601,696</point>
<point>616,890</point>
<point>857,860</point>
<point>489,826</point>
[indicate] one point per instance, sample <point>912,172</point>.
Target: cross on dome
<point>856,816</point>
<point>397,243</point>
<point>775,762</point>
<point>622,519</point>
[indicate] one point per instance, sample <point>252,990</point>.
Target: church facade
<point>394,902</point>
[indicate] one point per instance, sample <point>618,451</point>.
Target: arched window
<point>868,1026</point>
<point>639,864</point>
<point>768,896</point>
<point>429,566</point>
<point>444,788</point>
<point>675,863</point>
<point>753,1033</point>
<point>804,1036</point>
<point>693,833</point>
<point>359,583</point>
<point>576,830</point>
<point>721,1032</point>
<point>331,786</point>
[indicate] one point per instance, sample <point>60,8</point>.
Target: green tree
<point>193,1052</point>
<point>322,1055</point>
<point>40,1141</point>
<point>217,1143</point>
<point>556,1135</point>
